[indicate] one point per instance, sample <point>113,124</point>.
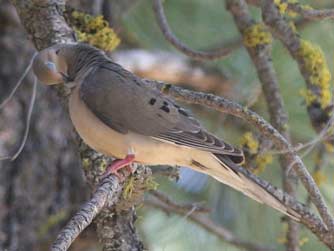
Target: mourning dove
<point>117,114</point>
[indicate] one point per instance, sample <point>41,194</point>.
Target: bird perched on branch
<point>117,114</point>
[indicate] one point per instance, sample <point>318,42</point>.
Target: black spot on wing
<point>137,81</point>
<point>165,108</point>
<point>235,159</point>
<point>152,101</point>
<point>196,163</point>
<point>227,162</point>
<point>183,112</point>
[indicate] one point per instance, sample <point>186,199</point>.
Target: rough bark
<point>45,181</point>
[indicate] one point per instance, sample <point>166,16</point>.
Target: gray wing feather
<point>123,102</point>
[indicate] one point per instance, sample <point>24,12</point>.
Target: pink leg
<point>119,164</point>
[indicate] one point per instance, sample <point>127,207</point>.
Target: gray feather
<point>123,102</point>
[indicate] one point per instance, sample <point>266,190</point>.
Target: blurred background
<point>44,186</point>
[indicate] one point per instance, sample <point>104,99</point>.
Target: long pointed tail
<point>227,172</point>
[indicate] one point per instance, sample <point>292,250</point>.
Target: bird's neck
<point>85,61</point>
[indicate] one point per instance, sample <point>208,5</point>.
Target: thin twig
<point>207,224</point>
<point>200,55</point>
<point>323,135</point>
<point>319,163</point>
<point>309,13</point>
<point>108,191</point>
<point>196,207</point>
<point>19,82</point>
<point>27,124</point>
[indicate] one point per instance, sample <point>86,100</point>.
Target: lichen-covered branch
<point>106,192</point>
<point>318,172</point>
<point>312,64</point>
<point>258,44</point>
<point>315,72</point>
<point>47,25</point>
<point>308,12</point>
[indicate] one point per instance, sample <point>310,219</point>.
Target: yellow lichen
<point>306,7</point>
<point>132,184</point>
<point>250,142</point>
<point>308,96</point>
<point>256,34</point>
<point>257,161</point>
<point>292,13</point>
<point>281,239</point>
<point>282,236</point>
<point>86,163</point>
<point>281,5</point>
<point>329,147</point>
<point>128,188</point>
<point>285,126</point>
<point>319,177</point>
<point>51,221</point>
<point>95,31</point>
<point>303,241</point>
<point>262,160</point>
<point>319,75</point>
<point>150,184</point>
<point>165,89</point>
<point>293,27</point>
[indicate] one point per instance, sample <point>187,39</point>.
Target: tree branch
<point>319,115</point>
<point>226,106</point>
<point>260,54</point>
<point>196,207</point>
<point>308,13</point>
<point>205,222</point>
<point>108,191</point>
<point>43,19</point>
<point>222,52</point>
<point>318,106</point>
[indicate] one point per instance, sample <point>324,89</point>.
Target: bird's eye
<point>57,51</point>
<point>51,66</point>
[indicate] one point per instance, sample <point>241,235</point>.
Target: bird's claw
<point>118,164</point>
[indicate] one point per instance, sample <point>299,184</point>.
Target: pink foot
<point>119,164</point>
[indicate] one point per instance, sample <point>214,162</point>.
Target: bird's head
<point>50,65</point>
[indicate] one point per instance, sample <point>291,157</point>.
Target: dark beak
<point>65,77</point>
